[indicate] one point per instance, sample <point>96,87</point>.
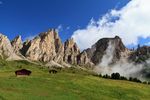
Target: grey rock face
<point>83,60</point>
<point>141,54</point>
<point>99,49</point>
<point>17,44</point>
<point>71,51</point>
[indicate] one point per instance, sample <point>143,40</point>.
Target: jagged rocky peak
<point>27,42</point>
<point>71,46</point>
<point>51,37</point>
<point>83,59</point>
<point>71,51</point>
<point>119,43</point>
<point>141,54</point>
<point>144,50</point>
<point>5,46</point>
<point>44,47</point>
<point>17,44</point>
<point>50,33</point>
<point>96,52</point>
<point>25,47</point>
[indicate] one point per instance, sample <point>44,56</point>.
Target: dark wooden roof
<point>23,72</point>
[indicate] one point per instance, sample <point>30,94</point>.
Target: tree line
<point>117,76</point>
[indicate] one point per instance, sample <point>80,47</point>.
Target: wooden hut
<point>23,72</point>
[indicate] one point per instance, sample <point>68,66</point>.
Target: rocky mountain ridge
<point>47,47</point>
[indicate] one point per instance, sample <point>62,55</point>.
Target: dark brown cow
<point>23,72</point>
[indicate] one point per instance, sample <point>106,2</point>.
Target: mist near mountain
<point>124,66</point>
<point>107,58</point>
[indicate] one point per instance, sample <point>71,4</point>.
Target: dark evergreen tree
<point>115,76</point>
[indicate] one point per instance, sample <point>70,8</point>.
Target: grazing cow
<point>23,72</point>
<point>53,71</point>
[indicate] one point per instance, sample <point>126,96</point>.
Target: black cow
<point>53,71</point>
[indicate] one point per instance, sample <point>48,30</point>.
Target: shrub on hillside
<point>130,78</point>
<point>100,75</point>
<point>123,78</point>
<point>115,76</point>
<point>135,80</point>
<point>106,76</point>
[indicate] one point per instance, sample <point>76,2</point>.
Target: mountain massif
<point>48,48</point>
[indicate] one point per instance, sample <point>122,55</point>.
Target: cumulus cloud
<point>130,23</point>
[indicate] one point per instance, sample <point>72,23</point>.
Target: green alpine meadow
<point>68,84</point>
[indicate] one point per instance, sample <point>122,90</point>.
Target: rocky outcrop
<point>6,49</point>
<point>83,60</point>
<point>45,47</point>
<point>71,51</point>
<point>17,44</point>
<point>141,54</point>
<point>25,47</point>
<point>99,49</point>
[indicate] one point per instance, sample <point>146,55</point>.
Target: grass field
<point>64,85</point>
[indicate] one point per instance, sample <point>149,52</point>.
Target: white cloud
<point>133,21</point>
<point>59,28</point>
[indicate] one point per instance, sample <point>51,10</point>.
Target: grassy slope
<point>64,86</point>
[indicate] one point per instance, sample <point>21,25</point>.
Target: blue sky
<point>29,17</point>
